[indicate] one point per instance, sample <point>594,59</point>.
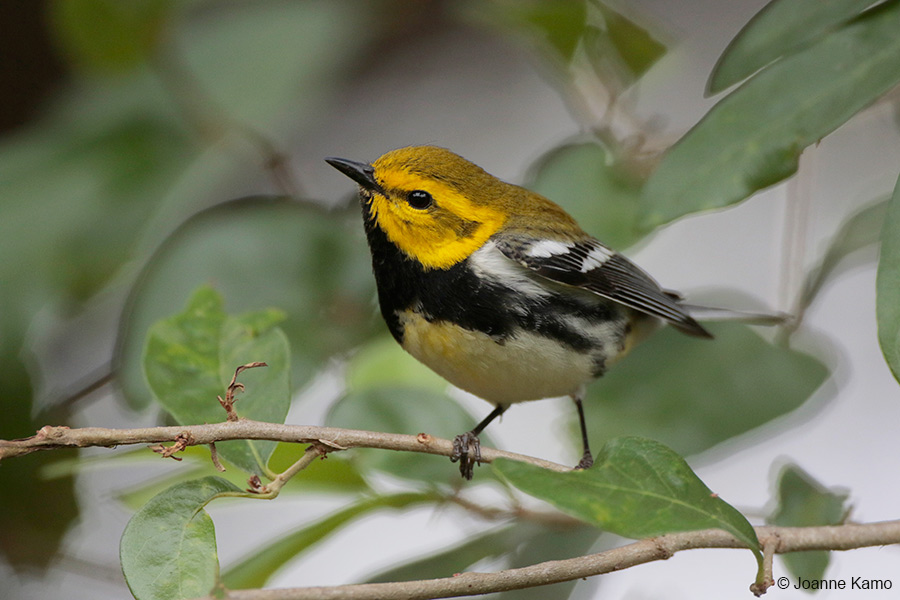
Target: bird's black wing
<point>590,265</point>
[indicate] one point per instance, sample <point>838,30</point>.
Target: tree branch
<point>775,540</point>
<point>51,438</point>
<point>780,539</point>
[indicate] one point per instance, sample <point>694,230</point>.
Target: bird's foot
<point>586,462</point>
<point>466,450</point>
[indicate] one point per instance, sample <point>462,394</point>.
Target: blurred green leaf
<point>558,24</point>
<point>779,29</point>
<point>637,47</point>
<point>261,252</point>
<point>459,557</point>
<point>521,544</point>
<point>887,286</point>
<point>550,544</point>
<point>73,202</point>
<point>35,511</point>
<point>191,357</point>
<point>109,35</point>
<point>260,564</point>
<point>110,168</point>
<point>692,394</point>
<point>753,138</point>
<point>382,362</point>
<point>619,50</point>
<point>168,548</point>
<point>861,230</point>
<point>804,502</point>
<point>577,34</point>
<point>404,410</point>
<point>637,488</point>
<point>601,194</point>
<point>268,64</point>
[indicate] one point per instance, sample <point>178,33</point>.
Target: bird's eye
<point>419,199</point>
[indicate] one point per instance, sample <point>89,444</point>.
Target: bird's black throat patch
<point>458,295</point>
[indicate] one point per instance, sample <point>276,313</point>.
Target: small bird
<point>496,288</point>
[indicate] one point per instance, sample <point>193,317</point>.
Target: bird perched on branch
<point>498,289</point>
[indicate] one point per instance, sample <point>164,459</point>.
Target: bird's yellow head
<point>434,205</point>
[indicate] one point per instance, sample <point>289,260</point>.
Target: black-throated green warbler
<point>496,288</point>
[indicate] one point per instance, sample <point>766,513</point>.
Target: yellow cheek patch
<point>440,236</point>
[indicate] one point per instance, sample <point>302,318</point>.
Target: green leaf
<point>887,286</point>
<point>577,34</point>
<point>168,548</point>
<point>861,230</point>
<point>804,502</point>
<point>619,50</point>
<point>637,488</point>
<point>637,47</point>
<point>559,25</point>
<point>691,393</point>
<point>459,557</point>
<point>296,43</point>
<point>181,359</point>
<point>111,165</point>
<point>261,252</point>
<point>35,512</point>
<point>779,29</point>
<point>82,197</point>
<point>753,138</point>
<point>521,544</point>
<point>107,34</point>
<point>404,410</point>
<point>554,543</point>
<point>259,565</point>
<point>267,391</point>
<point>382,362</point>
<point>191,357</point>
<point>602,195</point>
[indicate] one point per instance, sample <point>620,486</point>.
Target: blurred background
<point>129,129</point>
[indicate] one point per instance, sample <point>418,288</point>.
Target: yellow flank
<point>470,206</point>
<point>499,372</point>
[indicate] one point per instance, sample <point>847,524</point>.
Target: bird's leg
<point>467,447</point>
<point>587,459</point>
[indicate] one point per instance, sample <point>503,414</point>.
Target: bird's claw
<point>586,462</point>
<point>466,450</point>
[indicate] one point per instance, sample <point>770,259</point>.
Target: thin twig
<point>769,547</point>
<point>229,400</point>
<point>550,519</point>
<point>214,456</point>
<point>786,539</point>
<point>98,379</point>
<point>181,442</point>
<point>271,490</point>
<point>50,438</point>
<point>796,225</point>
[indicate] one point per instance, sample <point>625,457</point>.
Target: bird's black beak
<point>361,173</point>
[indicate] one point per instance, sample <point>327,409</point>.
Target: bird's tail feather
<point>709,313</point>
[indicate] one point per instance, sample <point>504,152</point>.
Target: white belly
<point>525,366</point>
